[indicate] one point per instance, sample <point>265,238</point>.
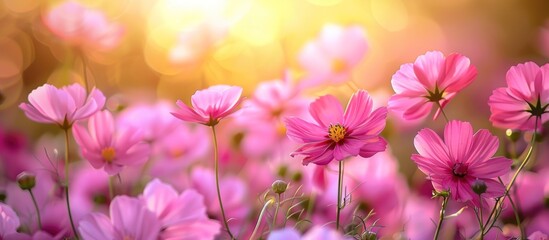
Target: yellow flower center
<point>338,65</point>
<point>108,154</point>
<point>336,132</point>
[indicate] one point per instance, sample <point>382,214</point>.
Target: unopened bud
<point>479,186</point>
<point>279,186</point>
<point>26,180</point>
<point>513,135</point>
<point>369,235</point>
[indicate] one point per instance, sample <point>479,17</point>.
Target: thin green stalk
<point>67,181</point>
<point>517,217</point>
<point>86,83</point>
<point>339,189</point>
<point>276,210</point>
<point>260,217</point>
<point>37,210</point>
<point>442,111</point>
<point>441,217</point>
<point>216,166</point>
<point>111,187</point>
<point>481,218</point>
<point>495,214</point>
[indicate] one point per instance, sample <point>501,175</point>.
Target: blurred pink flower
<point>337,135</point>
<point>271,103</point>
<point>332,56</point>
<point>455,163</point>
<point>432,78</point>
<point>210,105</point>
<point>182,215</point>
<point>525,99</point>
<point>105,146</point>
<point>82,26</point>
<point>234,192</point>
<point>9,221</point>
<point>129,219</point>
<point>316,232</point>
<point>49,104</point>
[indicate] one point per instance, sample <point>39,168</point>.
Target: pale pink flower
<point>210,105</point>
<point>453,164</point>
<point>129,219</point>
<point>9,221</point>
<point>48,104</point>
<point>336,135</point>
<point>332,56</point>
<point>108,147</point>
<point>316,232</point>
<point>524,101</point>
<point>432,80</point>
<point>182,215</point>
<point>82,26</point>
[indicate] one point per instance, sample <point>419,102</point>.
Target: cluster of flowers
<point>142,173</point>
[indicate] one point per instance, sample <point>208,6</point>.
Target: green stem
<point>517,217</point>
<point>86,84</point>
<point>67,181</point>
<point>494,214</point>
<point>111,187</point>
<point>442,111</point>
<point>37,210</point>
<point>481,218</point>
<point>441,217</point>
<point>276,210</point>
<point>216,166</point>
<point>339,189</point>
<point>260,217</point>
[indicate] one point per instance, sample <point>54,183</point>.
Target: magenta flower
<point>106,147</point>
<point>431,80</point>
<point>210,105</point>
<point>83,26</point>
<point>525,99</point>
<point>129,219</point>
<point>453,164</point>
<point>48,104</point>
<point>183,216</point>
<point>337,135</point>
<point>9,221</point>
<point>333,55</point>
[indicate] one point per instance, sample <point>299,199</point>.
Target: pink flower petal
<point>327,110</point>
<point>458,136</point>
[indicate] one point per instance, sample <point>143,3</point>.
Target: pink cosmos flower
<point>82,26</point>
<point>48,104</point>
<point>453,164</point>
<point>105,146</point>
<point>333,55</point>
<point>431,80</point>
<point>129,219</point>
<point>525,99</point>
<point>9,221</point>
<point>210,105</point>
<point>336,135</point>
<point>182,216</point>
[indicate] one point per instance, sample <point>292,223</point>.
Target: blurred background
<point>168,49</point>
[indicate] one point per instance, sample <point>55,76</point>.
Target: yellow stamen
<point>337,132</point>
<point>108,154</point>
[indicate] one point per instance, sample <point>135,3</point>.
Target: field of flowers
<point>274,119</point>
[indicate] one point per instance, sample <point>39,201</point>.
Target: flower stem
<point>495,214</point>
<point>339,189</point>
<point>442,111</point>
<point>37,210</point>
<point>216,166</point>
<point>481,218</point>
<point>85,75</point>
<point>260,217</point>
<point>67,181</point>
<point>441,217</point>
<point>111,187</point>
<point>276,210</point>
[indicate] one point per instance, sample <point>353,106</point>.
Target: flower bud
<point>279,186</point>
<point>26,180</point>
<point>479,186</point>
<point>513,135</point>
<point>369,235</point>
